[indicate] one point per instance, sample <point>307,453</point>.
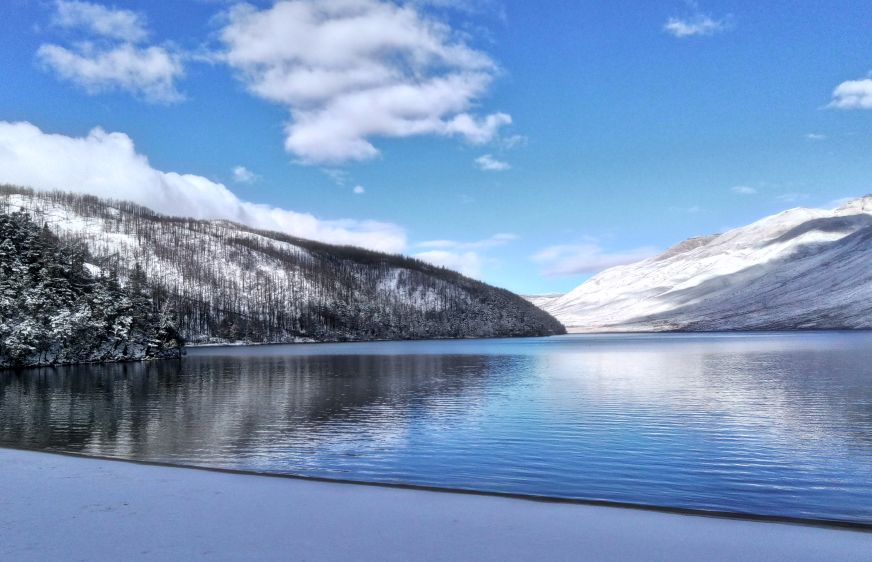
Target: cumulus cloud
<point>815,137</point>
<point>108,22</point>
<point>589,257</point>
<point>467,263</point>
<point>853,94</point>
<point>743,190</point>
<point>488,163</point>
<point>697,25</point>
<point>241,174</point>
<point>359,190</point>
<point>350,71</point>
<point>149,72</point>
<point>114,58</point>
<point>107,165</point>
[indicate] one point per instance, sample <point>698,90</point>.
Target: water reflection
<point>761,423</point>
<point>224,408</point>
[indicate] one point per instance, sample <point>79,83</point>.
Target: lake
<point>775,423</point>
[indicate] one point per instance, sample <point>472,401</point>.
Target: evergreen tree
<point>53,311</point>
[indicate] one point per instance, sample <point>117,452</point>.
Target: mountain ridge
<point>230,282</point>
<point>798,269</point>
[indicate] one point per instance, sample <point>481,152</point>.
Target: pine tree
<point>53,311</point>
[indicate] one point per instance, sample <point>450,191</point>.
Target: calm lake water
<point>761,423</point>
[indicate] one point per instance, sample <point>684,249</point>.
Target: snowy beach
<point>61,507</point>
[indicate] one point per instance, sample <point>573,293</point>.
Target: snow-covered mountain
<point>229,282</point>
<point>799,269</point>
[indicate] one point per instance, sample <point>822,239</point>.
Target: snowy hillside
<point>799,269</point>
<point>230,282</point>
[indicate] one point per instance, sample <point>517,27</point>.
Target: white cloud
<point>350,71</point>
<point>698,25</point>
<point>100,20</point>
<point>490,164</point>
<point>853,94</point>
<point>337,175</point>
<point>466,257</point>
<point>241,174</point>
<point>359,190</point>
<point>491,242</point>
<point>743,190</point>
<point>469,6</point>
<point>513,141</point>
<point>107,165</point>
<point>815,137</point>
<point>589,257</point>
<point>467,263</point>
<point>115,60</point>
<point>149,72</point>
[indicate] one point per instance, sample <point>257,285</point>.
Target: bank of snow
<point>58,507</point>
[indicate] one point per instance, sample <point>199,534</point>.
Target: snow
<point>227,281</point>
<point>67,508</point>
<point>542,300</point>
<point>779,272</point>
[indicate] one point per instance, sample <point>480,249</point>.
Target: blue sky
<point>633,124</point>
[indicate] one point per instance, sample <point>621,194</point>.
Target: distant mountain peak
<point>801,268</point>
<point>859,205</point>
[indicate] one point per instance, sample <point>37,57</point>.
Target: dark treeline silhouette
<point>54,311</point>
<point>229,282</point>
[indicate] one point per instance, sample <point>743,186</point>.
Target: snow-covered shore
<point>55,507</point>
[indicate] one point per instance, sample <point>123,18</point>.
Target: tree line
<point>53,310</point>
<point>229,282</point>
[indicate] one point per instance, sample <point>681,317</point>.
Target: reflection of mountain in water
<point>775,423</point>
<point>799,390</point>
<point>221,409</point>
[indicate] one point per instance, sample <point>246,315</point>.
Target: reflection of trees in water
<point>69,407</point>
<point>221,406</point>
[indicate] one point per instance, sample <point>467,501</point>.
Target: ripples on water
<point>761,423</point>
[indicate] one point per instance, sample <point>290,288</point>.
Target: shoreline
<point>238,344</point>
<point>581,330</point>
<point>396,340</point>
<point>65,506</point>
<point>857,526</point>
<point>570,331</point>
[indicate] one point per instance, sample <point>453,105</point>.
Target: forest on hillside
<point>53,310</point>
<point>229,282</point>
